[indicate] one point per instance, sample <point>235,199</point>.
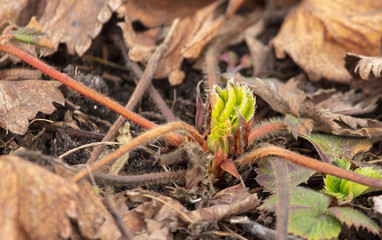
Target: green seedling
<point>231,117</point>
<point>233,103</point>
<point>344,190</point>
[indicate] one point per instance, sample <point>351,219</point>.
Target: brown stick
<point>141,139</point>
<point>309,163</point>
<point>139,180</point>
<point>143,84</point>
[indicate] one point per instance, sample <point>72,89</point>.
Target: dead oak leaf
<point>319,33</point>
<point>38,204</point>
<point>21,100</point>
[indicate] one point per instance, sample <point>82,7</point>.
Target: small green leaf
<point>307,216</point>
<point>344,190</point>
<point>331,147</point>
<point>352,217</point>
<point>33,34</point>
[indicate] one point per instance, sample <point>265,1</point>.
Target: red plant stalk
<point>309,163</point>
<point>70,82</point>
<point>264,130</point>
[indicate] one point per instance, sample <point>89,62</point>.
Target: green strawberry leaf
<point>307,215</point>
<point>352,217</point>
<point>344,190</point>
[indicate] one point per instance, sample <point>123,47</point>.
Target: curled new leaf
<point>230,103</point>
<point>345,190</point>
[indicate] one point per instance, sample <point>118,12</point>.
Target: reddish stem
<point>50,71</point>
<point>309,163</point>
<point>264,130</point>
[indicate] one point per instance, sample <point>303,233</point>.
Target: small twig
<point>142,139</point>
<point>143,84</point>
<point>309,163</point>
<point>71,131</point>
<point>139,180</point>
<point>256,229</point>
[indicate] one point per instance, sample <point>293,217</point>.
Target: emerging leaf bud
<point>233,103</point>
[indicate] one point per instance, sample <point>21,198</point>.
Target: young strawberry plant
<point>224,145</point>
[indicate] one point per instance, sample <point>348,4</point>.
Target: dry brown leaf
<point>364,67</point>
<point>11,10</point>
<point>21,100</point>
<point>328,109</point>
<point>74,23</point>
<point>199,24</point>
<point>38,204</point>
<point>169,215</point>
<point>319,33</point>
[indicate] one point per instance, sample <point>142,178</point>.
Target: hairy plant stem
<point>50,71</point>
<point>264,130</point>
<point>307,162</point>
<point>141,139</point>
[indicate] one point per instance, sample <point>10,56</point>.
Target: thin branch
<point>139,180</point>
<point>141,139</point>
<point>309,163</point>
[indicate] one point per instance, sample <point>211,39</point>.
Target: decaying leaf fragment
<point>21,100</point>
<point>38,204</point>
<point>365,68</point>
<point>159,215</point>
<point>319,33</point>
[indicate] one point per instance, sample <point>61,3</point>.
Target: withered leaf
<point>319,33</point>
<point>327,109</point>
<point>298,126</point>
<point>21,100</point>
<point>199,24</point>
<point>170,215</point>
<point>38,204</point>
<point>64,21</point>
<point>67,21</point>
<point>364,67</point>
